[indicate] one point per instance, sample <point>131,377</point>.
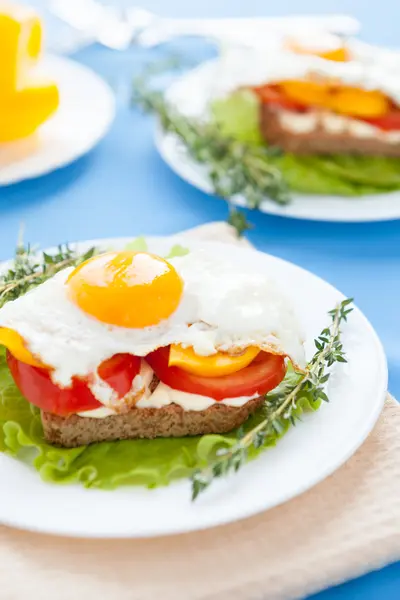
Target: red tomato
<point>37,387</point>
<point>389,122</point>
<point>271,94</point>
<point>261,376</point>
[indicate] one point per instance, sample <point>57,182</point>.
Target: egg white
<point>221,308</point>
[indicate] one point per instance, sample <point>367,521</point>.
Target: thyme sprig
<point>30,268</point>
<point>233,167</point>
<point>282,409</point>
<point>238,220</point>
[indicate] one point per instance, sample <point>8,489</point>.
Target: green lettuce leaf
<point>304,174</point>
<point>370,171</point>
<point>339,175</point>
<point>237,116</point>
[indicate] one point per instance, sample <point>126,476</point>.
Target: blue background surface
<point>123,188</point>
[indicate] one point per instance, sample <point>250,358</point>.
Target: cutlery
<point>118,28</point>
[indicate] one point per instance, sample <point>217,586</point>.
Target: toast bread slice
<point>168,421</point>
<point>320,140</point>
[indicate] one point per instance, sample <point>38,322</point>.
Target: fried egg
<point>136,302</point>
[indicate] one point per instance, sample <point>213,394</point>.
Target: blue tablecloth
<point>123,188</point>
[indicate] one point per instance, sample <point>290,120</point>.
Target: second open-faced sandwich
<point>320,94</point>
<point>130,345</point>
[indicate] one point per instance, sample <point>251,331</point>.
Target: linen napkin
<point>341,528</point>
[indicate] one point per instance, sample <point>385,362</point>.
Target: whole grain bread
<point>320,140</point>
<point>168,421</point>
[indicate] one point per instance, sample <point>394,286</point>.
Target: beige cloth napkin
<point>343,527</point>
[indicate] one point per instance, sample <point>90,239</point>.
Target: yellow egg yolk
<point>126,289</point>
<point>339,54</point>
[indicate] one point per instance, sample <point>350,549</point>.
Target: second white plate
<point>191,94</point>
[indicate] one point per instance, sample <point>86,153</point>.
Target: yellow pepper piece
<point>20,44</point>
<point>306,92</point>
<point>358,103</point>
<point>35,40</point>
<point>215,365</point>
<point>22,112</point>
<point>16,345</point>
<point>26,101</point>
<point>344,100</point>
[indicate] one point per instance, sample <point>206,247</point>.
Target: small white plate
<point>86,111</point>
<point>191,94</point>
<point>307,454</point>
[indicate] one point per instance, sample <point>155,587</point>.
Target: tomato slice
<point>36,385</point>
<point>389,122</point>
<point>261,376</point>
<point>272,94</point>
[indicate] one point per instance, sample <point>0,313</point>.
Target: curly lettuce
<point>339,175</point>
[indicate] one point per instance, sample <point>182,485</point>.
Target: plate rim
<point>109,96</point>
<point>256,508</point>
<point>268,206</point>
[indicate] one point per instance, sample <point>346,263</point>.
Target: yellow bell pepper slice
<point>20,44</point>
<point>358,103</point>
<point>26,100</point>
<point>22,112</point>
<point>215,365</point>
<point>16,345</point>
<point>306,92</point>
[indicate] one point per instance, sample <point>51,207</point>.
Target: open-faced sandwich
<point>130,345</point>
<point>127,368</point>
<point>333,100</point>
<point>330,104</point>
<point>320,94</point>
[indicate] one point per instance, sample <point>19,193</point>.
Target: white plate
<point>86,111</point>
<point>191,94</point>
<point>305,456</point>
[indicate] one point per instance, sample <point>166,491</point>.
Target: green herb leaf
<point>238,220</point>
<point>30,268</point>
<point>234,167</point>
